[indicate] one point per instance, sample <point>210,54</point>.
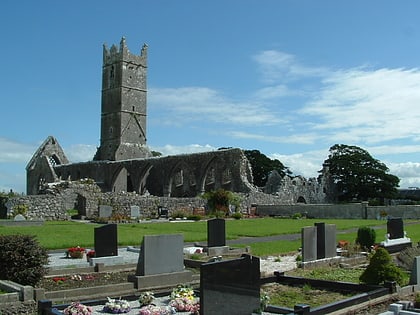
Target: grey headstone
<point>230,287</point>
<point>309,243</point>
<point>106,240</point>
<point>19,217</point>
<point>105,211</point>
<point>134,211</point>
<point>395,228</point>
<point>216,232</point>
<point>161,254</point>
<point>330,240</point>
<point>415,272</point>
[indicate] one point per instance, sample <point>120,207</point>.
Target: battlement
<point>114,54</point>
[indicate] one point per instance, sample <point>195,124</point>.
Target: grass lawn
<point>64,234</point>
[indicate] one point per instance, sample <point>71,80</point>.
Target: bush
<point>22,259</point>
<point>236,215</point>
<point>366,237</point>
<point>381,268</point>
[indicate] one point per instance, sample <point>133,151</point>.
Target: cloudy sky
<point>288,78</point>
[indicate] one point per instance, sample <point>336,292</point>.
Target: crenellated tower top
<point>114,54</point>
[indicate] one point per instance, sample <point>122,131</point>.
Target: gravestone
<point>161,262</point>
<point>216,232</point>
<point>105,211</point>
<point>309,243</point>
<point>161,254</point>
<point>415,272</point>
<point>163,212</point>
<point>106,240</point>
<point>19,217</point>
<point>230,287</point>
<point>395,228</point>
<point>134,212</point>
<point>326,240</point>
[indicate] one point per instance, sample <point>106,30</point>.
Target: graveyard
<point>220,275</point>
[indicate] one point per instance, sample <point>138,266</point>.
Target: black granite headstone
<point>106,241</point>
<point>320,240</point>
<point>216,232</point>
<point>230,287</point>
<point>395,228</point>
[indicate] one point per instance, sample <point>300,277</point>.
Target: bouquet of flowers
<point>146,298</point>
<point>182,291</point>
<point>115,306</point>
<point>183,299</point>
<point>186,305</point>
<point>156,310</point>
<point>75,252</point>
<point>76,308</point>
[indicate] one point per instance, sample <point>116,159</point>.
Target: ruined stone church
<point>123,162</point>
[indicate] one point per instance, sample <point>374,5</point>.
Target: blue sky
<point>288,78</point>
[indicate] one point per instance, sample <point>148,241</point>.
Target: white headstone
<point>19,217</point>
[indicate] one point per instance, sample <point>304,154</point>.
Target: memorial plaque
<point>230,287</point>
<point>105,211</point>
<point>216,232</point>
<point>134,212</point>
<point>106,240</point>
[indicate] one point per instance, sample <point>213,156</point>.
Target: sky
<point>289,78</point>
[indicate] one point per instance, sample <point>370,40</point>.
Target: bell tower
<point>123,105</point>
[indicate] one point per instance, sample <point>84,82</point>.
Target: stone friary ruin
<point>124,163</point>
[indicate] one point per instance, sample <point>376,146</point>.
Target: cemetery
<point>146,279</point>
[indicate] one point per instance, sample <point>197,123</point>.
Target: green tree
<point>262,166</point>
<point>381,268</point>
<point>357,175</point>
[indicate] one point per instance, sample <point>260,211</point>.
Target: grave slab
<point>309,243</point>
<point>216,232</point>
<point>106,240</point>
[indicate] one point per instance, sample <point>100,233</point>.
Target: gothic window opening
<point>179,178</point>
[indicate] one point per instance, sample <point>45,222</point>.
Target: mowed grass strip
<point>64,234</point>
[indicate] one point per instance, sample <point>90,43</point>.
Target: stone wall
<point>340,211</point>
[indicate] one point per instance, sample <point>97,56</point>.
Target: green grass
<point>64,234</point>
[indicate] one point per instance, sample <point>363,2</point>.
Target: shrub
<point>381,268</point>
<point>22,259</point>
<point>366,237</point>
<point>236,215</point>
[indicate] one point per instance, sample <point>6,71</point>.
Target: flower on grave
<point>156,310</point>
<point>76,277</point>
<point>186,305</point>
<point>90,254</point>
<point>146,298</point>
<point>75,252</point>
<point>76,308</point>
<point>182,291</point>
<point>115,306</point>
<point>59,280</point>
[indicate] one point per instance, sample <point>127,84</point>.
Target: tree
<point>262,166</point>
<point>357,175</point>
<point>220,199</point>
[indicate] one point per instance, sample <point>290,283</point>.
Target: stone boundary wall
<point>340,211</point>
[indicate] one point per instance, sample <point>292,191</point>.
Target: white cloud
<point>198,103</point>
<point>280,66</point>
<point>306,164</point>
<point>297,138</point>
<point>14,151</point>
<point>80,152</point>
